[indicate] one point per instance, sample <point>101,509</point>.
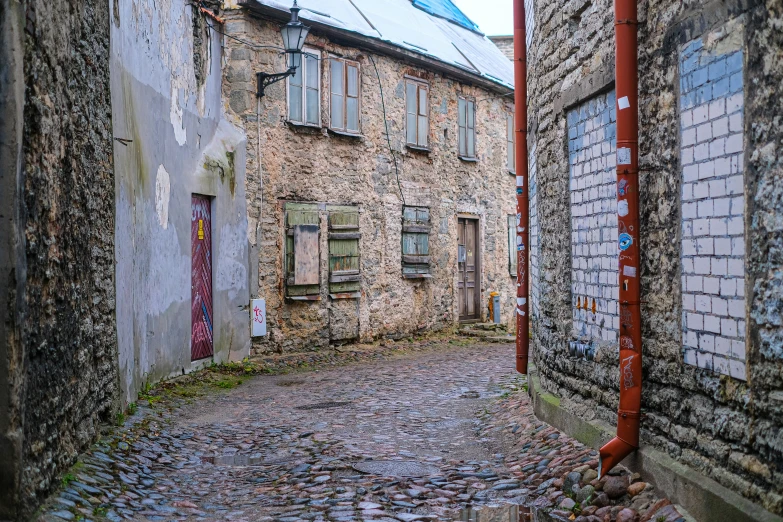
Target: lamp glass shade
<point>294,34</point>
<point>294,59</point>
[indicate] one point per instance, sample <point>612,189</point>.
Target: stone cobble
<point>284,448</point>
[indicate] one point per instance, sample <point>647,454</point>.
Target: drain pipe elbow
<point>612,453</point>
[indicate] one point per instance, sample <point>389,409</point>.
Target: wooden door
<point>201,340</point>
<point>469,270</point>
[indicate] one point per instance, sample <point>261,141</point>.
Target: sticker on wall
<point>520,181</point>
<point>624,103</point>
<point>622,208</point>
<point>625,241</point>
<point>258,316</point>
<point>520,244</point>
<point>629,271</point>
<point>623,156</point>
<point>623,187</point>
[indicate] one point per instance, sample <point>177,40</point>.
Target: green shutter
<point>416,228</point>
<point>345,278</point>
<point>300,220</point>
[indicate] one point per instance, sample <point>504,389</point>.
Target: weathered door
<point>468,266</point>
<point>201,345</point>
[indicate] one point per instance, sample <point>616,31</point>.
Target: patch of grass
<point>99,511</point>
<point>243,367</point>
<point>132,408</point>
<point>228,384</point>
<point>67,479</point>
<point>660,518</point>
<point>120,418</point>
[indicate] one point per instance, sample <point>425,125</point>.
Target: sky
<point>494,17</point>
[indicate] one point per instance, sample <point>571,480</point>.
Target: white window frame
<point>345,63</point>
<point>466,156</point>
<point>315,53</point>
<point>421,85</point>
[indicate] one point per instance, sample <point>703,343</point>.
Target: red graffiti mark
<point>258,317</point>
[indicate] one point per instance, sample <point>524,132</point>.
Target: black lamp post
<point>294,34</point>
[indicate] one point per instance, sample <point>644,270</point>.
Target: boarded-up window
<point>466,119</point>
<point>512,245</point>
<point>344,86</point>
<point>345,277</point>
<point>302,259</point>
<point>510,142</point>
<point>416,228</point>
<point>417,121</point>
<point>304,93</point>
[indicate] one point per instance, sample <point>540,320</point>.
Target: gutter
<point>355,39</point>
<point>523,199</point>
<point>627,88</point>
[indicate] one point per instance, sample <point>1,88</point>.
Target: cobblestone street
<point>432,432</point>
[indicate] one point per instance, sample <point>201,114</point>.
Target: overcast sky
<point>492,16</point>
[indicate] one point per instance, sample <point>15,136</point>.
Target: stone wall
<point>315,165</point>
<point>505,44</point>
<point>59,338</point>
<point>724,423</point>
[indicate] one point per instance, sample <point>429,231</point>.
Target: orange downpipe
<point>627,88</point>
<point>523,202</point>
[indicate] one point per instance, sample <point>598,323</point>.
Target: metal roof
<point>402,24</point>
<point>446,9</point>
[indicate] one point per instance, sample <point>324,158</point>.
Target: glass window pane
<point>462,148</point>
<point>410,128</point>
<point>352,110</point>
<point>312,106</point>
<point>471,143</point>
<point>353,80</point>
<point>510,157</point>
<point>423,101</point>
<point>296,79</point>
<point>510,128</point>
<point>410,97</point>
<point>461,118</point>
<point>295,103</point>
<point>338,118</point>
<point>471,114</point>
<point>336,81</point>
<point>311,75</point>
<point>423,131</point>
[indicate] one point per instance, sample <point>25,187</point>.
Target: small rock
<point>571,480</point>
<point>369,505</point>
<point>589,476</point>
<point>567,504</point>
<point>636,488</point>
<point>585,493</point>
<point>601,500</point>
<point>615,487</point>
<point>627,515</point>
<point>65,515</point>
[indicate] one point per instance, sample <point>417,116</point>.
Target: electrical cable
<point>388,138</point>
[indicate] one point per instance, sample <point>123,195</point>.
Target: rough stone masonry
<point>711,242</point>
<point>58,375</point>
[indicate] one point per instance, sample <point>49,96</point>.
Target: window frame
<point>316,54</point>
<point>468,100</point>
<point>420,85</point>
<point>511,157</point>
<point>346,62</point>
<point>513,255</point>
<point>416,266</point>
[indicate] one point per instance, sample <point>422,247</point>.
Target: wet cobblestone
<point>283,448</point>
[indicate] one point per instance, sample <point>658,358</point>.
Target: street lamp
<point>294,34</point>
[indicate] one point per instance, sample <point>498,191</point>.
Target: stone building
<point>710,191</point>
<point>379,189</point>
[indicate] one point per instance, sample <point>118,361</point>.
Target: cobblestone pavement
<point>437,430</point>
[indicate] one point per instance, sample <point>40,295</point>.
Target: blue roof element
<point>446,9</point>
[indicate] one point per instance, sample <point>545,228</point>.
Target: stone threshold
<point>702,497</point>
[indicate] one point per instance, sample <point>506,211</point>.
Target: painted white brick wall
<point>594,273</point>
<point>713,209</point>
<point>533,194</point>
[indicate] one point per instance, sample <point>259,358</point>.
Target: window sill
<point>346,295</point>
<point>298,125</point>
<point>346,134</point>
<point>512,173</point>
<point>416,148</point>
<point>416,276</point>
<point>303,297</point>
<point>468,160</point>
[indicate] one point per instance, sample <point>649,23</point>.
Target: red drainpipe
<point>523,202</point>
<point>627,88</point>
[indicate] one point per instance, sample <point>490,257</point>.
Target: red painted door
<point>201,345</point>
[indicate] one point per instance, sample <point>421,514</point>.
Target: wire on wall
<point>388,138</point>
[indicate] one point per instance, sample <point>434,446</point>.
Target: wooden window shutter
<point>512,245</point>
<point>462,121</point>
<point>345,277</point>
<point>416,228</point>
<point>302,251</point>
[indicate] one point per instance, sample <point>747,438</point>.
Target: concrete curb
<point>703,498</point>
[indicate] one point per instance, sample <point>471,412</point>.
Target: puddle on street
<point>504,513</point>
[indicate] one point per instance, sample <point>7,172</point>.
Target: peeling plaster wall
<point>313,165</point>
<point>180,145</point>
<point>722,426</point>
